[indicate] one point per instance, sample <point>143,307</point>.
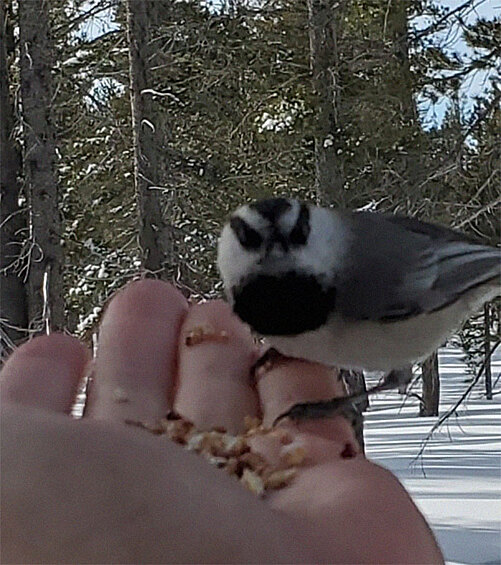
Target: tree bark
<point>13,306</point>
<point>155,235</point>
<point>324,16</point>
<point>487,352</point>
<point>431,386</point>
<point>398,32</point>
<point>355,382</point>
<point>401,89</point>
<point>45,283</point>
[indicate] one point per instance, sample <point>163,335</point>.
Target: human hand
<point>97,490</point>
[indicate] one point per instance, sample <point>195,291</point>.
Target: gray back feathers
<point>400,267</point>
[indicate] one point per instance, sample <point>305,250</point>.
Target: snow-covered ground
<point>457,481</point>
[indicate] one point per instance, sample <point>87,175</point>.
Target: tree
<point>45,280</point>
<point>324,18</point>
<point>13,307</point>
<point>431,386</point>
<point>487,352</point>
<point>155,234</point>
<point>95,156</point>
<point>355,383</point>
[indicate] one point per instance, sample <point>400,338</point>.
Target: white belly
<point>374,346</point>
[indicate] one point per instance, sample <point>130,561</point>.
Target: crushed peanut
<point>293,455</point>
<point>252,481</point>
<point>279,479</point>
<point>234,453</point>
<point>199,334</point>
<point>251,423</point>
<point>282,435</point>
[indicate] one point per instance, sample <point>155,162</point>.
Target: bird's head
<point>276,258</point>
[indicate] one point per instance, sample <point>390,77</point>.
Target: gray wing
<point>400,267</point>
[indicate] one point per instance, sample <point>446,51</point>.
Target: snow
<point>456,482</point>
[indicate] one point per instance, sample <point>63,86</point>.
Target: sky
<point>477,82</point>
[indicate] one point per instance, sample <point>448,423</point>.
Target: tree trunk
<point>400,88</point>
<point>45,283</point>
<point>487,352</point>
<point>155,235</point>
<point>358,428</point>
<point>355,383</point>
<point>431,386</point>
<point>13,307</point>
<point>398,32</point>
<point>323,22</point>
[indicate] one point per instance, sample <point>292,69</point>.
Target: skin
<point>96,490</point>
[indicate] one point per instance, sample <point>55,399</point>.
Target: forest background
<point>131,128</point>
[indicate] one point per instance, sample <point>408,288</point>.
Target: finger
<point>45,373</point>
<point>285,381</point>
<point>135,363</point>
<point>216,353</point>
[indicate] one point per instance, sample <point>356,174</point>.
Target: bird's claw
<point>315,410</point>
<point>342,404</point>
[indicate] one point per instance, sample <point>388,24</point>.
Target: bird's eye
<point>247,236</point>
<point>301,230</point>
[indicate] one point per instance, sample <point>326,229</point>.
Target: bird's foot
<point>339,405</point>
<point>315,410</point>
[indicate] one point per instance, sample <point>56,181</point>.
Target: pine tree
<point>13,306</point>
<point>45,279</point>
<point>155,233</point>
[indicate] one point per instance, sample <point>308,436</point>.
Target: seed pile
<point>234,453</point>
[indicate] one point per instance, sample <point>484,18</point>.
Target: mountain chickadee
<point>358,290</point>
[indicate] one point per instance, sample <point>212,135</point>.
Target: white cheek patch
<point>234,262</point>
<point>325,250</point>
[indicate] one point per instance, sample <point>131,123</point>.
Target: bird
<point>359,290</point>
